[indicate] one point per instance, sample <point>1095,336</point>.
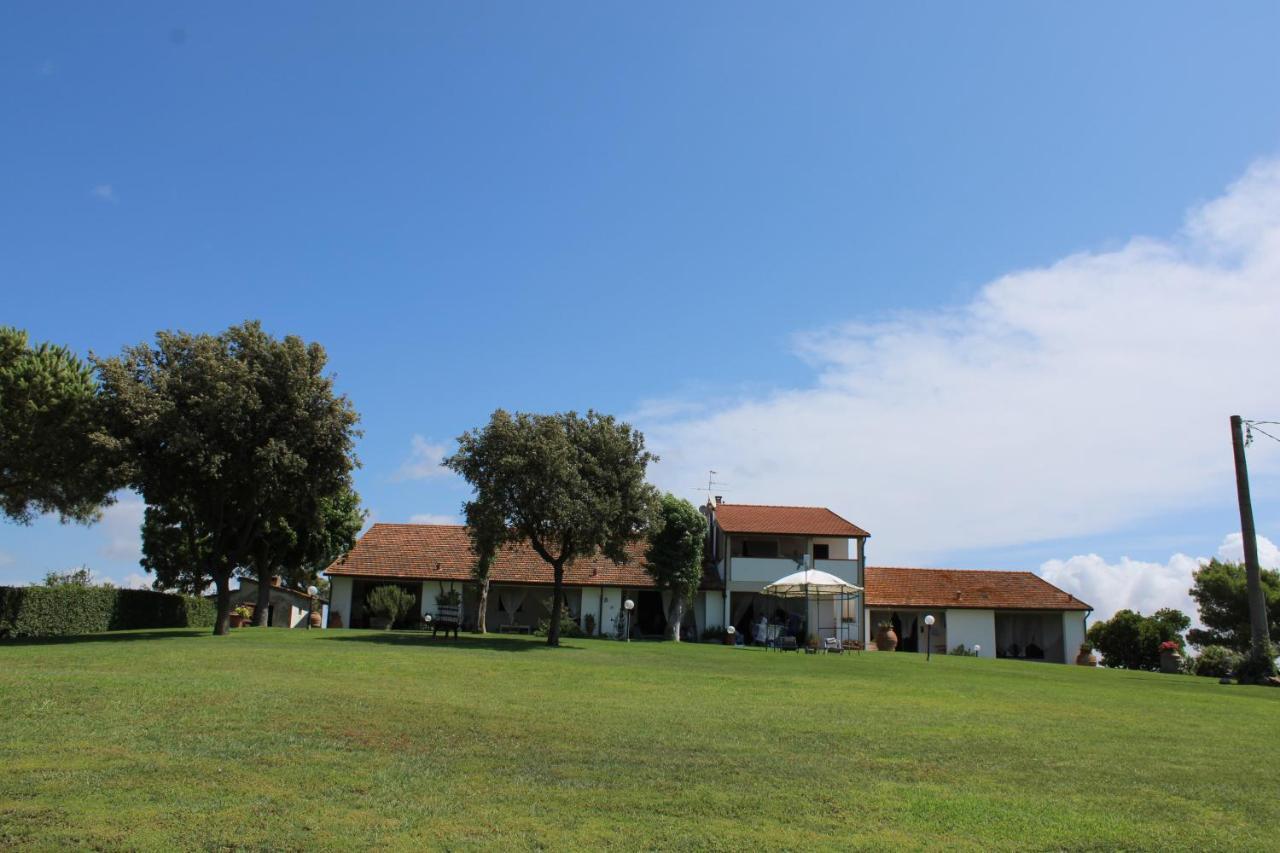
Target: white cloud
<point>1133,584</point>
<point>1232,550</point>
<point>433,518</point>
<point>1143,586</point>
<point>134,580</point>
<point>1062,401</point>
<point>424,461</point>
<point>105,192</point>
<point>121,527</point>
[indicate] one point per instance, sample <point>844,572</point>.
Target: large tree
<point>302,540</point>
<point>51,458</point>
<point>674,555</point>
<point>226,433</point>
<point>570,486</point>
<point>1221,592</point>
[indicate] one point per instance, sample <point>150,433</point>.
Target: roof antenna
<point>712,482</point>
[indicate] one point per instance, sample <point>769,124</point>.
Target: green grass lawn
<point>338,739</point>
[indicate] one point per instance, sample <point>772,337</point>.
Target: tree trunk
<point>222,625</point>
<point>1259,629</point>
<point>482,622</point>
<point>557,603</point>
<point>263,608</point>
<point>675,618</point>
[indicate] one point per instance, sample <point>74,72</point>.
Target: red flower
<point>1168,646</point>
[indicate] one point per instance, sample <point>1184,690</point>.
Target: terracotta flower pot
<point>235,620</point>
<point>1170,662</point>
<point>886,640</point>
<point>1086,659</point>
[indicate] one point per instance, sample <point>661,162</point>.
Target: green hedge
<point>41,611</point>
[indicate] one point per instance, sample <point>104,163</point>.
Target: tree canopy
<point>674,556</point>
<point>226,434</point>
<point>1221,594</point>
<point>1130,640</point>
<point>568,485</point>
<point>51,458</point>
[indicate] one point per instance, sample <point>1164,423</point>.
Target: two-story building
<point>1006,614</point>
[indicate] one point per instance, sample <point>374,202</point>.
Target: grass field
<point>292,739</point>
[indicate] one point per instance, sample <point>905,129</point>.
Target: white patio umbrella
<point>813,584</point>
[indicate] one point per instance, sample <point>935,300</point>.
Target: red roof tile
<point>784,520</point>
<point>960,588</point>
<point>443,552</point>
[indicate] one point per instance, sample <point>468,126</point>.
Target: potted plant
<point>1086,656</point>
<point>386,606</point>
<point>1170,657</point>
<point>449,598</point>
<point>886,637</point>
<point>240,616</point>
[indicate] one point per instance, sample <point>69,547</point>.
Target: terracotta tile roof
<point>784,520</point>
<point>961,588</point>
<point>443,552</point>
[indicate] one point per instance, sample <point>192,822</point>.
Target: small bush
<point>714,634</point>
<point>1256,669</point>
<point>569,626</point>
<point>390,602</point>
<point>1216,662</point>
<point>963,651</point>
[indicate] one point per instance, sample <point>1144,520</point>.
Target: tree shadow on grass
<point>464,642</point>
<point>109,637</point>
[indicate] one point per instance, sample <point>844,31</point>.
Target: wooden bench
<point>448,617</point>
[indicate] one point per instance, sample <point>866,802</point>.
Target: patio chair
<point>788,644</point>
<point>832,644</point>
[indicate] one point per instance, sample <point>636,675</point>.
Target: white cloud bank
<point>121,527</point>
<point>1144,586</point>
<point>424,461</point>
<point>434,518</point>
<point>1062,401</point>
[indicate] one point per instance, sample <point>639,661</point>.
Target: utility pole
<point>1259,634</point>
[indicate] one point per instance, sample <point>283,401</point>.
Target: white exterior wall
<point>837,549</point>
<point>1072,634</point>
<point>972,628</point>
<point>611,608</point>
<point>590,607</point>
<point>340,598</point>
<point>713,610</point>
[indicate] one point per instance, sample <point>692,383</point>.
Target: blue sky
<point>684,213</point>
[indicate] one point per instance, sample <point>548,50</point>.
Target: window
<point>760,548</point>
<point>822,552</point>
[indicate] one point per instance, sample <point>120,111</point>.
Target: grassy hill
<point>294,739</point>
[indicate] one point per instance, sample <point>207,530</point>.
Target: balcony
<point>765,570</point>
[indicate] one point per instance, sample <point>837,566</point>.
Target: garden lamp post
<point>928,637</point>
<point>731,631</point>
<point>311,605</point>
<point>627,607</point>
<point>977,650</point>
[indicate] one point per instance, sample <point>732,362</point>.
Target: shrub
<point>1132,641</point>
<point>69,609</point>
<point>1256,669</point>
<point>390,602</point>
<point>714,634</point>
<point>591,624</point>
<point>568,625</point>
<point>449,598</point>
<point>963,651</point>
<point>1216,662</point>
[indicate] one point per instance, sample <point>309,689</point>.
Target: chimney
<point>719,498</point>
